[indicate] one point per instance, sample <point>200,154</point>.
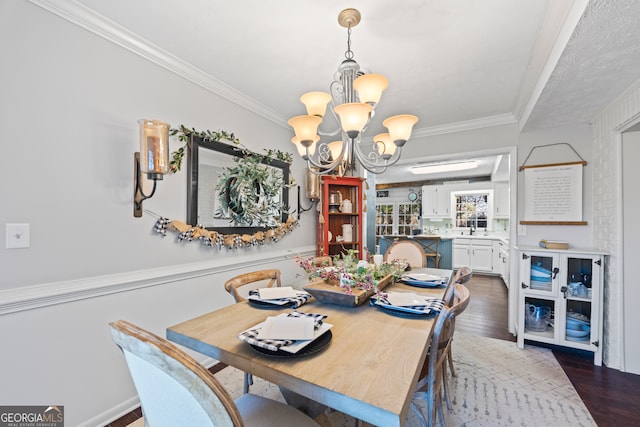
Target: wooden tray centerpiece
<point>348,282</point>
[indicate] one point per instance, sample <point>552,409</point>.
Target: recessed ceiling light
<point>444,167</point>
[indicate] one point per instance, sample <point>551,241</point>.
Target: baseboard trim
<point>113,414</point>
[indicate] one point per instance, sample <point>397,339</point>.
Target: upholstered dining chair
<point>175,390</point>
<point>252,280</point>
<point>432,377</point>
<point>407,250</point>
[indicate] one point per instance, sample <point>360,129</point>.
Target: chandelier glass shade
<point>353,98</point>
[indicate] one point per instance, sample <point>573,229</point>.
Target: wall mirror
<point>211,192</point>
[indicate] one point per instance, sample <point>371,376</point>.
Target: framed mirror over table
<point>214,200</point>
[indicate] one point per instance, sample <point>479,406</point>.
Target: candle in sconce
<point>154,157</point>
<point>154,148</point>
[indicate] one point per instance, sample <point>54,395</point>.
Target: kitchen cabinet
<point>475,253</point>
<point>501,200</point>
<point>504,258</point>
<point>560,298</point>
<point>397,218</point>
<point>436,201</point>
<point>337,220</point>
<point>501,260</point>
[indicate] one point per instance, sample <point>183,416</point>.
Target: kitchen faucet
<point>472,229</point>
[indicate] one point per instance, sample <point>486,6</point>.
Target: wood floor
<point>612,397</point>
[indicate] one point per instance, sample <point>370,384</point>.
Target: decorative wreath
<point>250,193</point>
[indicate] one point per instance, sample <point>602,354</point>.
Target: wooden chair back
<point>462,275</point>
<point>465,274</point>
<point>270,277</point>
<point>431,379</point>
<point>407,250</point>
<point>322,261</point>
<point>430,247</point>
<point>173,388</point>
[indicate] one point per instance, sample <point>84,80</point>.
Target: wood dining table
<point>369,369</point>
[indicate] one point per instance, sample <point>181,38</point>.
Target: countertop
<point>481,236</point>
<point>450,236</point>
<point>419,236</point>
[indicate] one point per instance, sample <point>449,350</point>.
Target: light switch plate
<point>522,230</point>
<point>17,236</point>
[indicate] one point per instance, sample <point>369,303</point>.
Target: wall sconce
<point>312,183</point>
<point>312,190</point>
<point>152,159</point>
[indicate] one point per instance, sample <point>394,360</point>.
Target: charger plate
<point>318,344</point>
<point>269,305</point>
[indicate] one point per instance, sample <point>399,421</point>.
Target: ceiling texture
<point>456,64</point>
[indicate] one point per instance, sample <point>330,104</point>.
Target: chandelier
<point>353,97</point>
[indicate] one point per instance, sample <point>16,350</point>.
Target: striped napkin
<point>432,305</point>
<point>250,336</point>
<point>297,301</point>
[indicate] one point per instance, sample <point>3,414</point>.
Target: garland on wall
<point>248,194</point>
<point>184,134</point>
<point>211,238</point>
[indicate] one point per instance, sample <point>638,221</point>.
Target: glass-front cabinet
<point>396,218</point>
<point>560,299</point>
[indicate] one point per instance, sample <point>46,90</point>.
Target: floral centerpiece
<point>348,281</point>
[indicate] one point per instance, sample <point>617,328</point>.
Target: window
<point>472,210</point>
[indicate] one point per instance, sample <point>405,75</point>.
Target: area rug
<point>497,384</point>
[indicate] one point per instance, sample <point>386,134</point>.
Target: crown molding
<point>98,24</point>
<point>484,122</point>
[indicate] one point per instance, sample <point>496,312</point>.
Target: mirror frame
<point>197,143</point>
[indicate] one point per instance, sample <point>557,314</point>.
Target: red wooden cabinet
<point>340,228</point>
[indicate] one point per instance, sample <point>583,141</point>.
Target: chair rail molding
<point>43,295</point>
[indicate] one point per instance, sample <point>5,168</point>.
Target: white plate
<point>287,328</point>
<point>298,344</point>
<point>276,292</point>
<point>405,299</point>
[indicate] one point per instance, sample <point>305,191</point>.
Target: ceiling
<point>453,63</point>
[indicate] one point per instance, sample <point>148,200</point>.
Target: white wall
<point>581,139</point>
<point>607,212</point>
<point>69,105</point>
<point>631,237</point>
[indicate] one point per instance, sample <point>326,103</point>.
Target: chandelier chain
<point>348,54</point>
